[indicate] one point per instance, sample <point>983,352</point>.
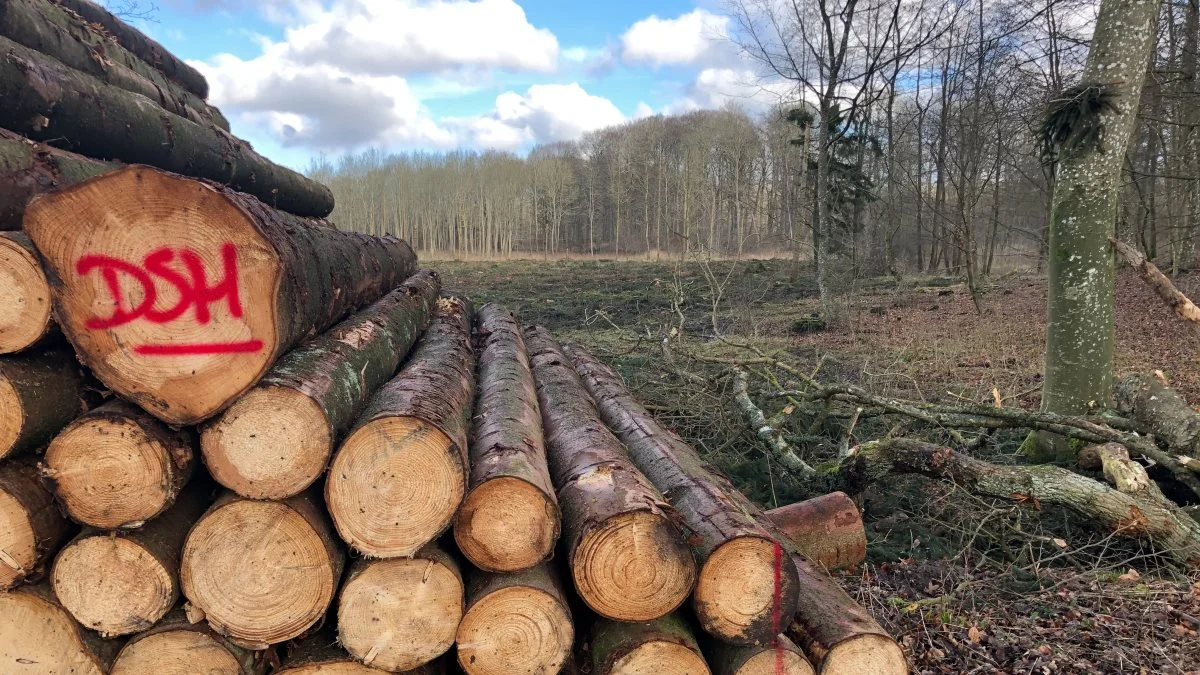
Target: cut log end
<point>176,652</point>
<point>272,443</point>
<point>112,585</point>
<point>400,614</point>
<point>260,571</point>
<point>12,416</point>
<point>660,657</point>
<point>394,486</point>
<point>777,662</point>
<point>18,543</point>
<point>197,352</point>
<point>506,524</point>
<point>31,525</point>
<point>746,588</point>
<point>338,668</point>
<point>519,629</point>
<point>633,567</point>
<point>55,647</point>
<point>110,473</point>
<point>867,653</point>
<point>24,296</point>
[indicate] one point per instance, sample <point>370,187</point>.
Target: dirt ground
<point>967,585</point>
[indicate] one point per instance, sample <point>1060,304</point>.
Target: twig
<point>780,449</point>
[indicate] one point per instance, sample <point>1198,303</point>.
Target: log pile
<point>235,439</point>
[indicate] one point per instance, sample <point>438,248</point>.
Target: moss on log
<point>664,646</point>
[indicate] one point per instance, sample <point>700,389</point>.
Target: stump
<point>176,646</point>
<point>24,294</point>
<point>515,623</point>
<point>59,645</point>
<point>180,294</point>
<point>782,658</point>
<point>118,467</point>
<point>117,583</point>
<point>401,613</point>
<point>664,646</point>
<point>31,526</point>
<point>41,390</point>
<point>398,479</point>
<point>262,572</point>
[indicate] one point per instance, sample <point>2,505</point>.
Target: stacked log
<point>177,645</point>
<point>31,526</point>
<point>24,294</point>
<point>664,646</point>
<point>41,391</point>
<point>38,636</point>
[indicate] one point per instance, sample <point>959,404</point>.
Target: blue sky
<point>302,77</point>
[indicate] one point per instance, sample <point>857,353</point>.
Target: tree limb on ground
<point>781,450</point>
<point>1158,282</point>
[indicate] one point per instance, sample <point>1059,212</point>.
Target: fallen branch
<point>1158,282</point>
<point>781,450</point>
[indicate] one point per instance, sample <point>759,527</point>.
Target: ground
<point>966,584</point>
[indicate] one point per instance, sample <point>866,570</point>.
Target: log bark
<point>118,467</point>
<point>118,583</point>
<point>515,623</point>
<point>782,658</point>
<point>260,281</point>
<point>57,645</point>
<point>262,572</point>
<point>276,440</point>
<point>1162,410</point>
<point>746,590</point>
<point>41,390</point>
<point>402,613</point>
<point>28,168</point>
<point>828,530</point>
<point>665,646</point>
<point>398,479</point>
<point>140,45</point>
<point>176,646</point>
<point>1158,282</point>
<point>628,557</point>
<point>49,102</point>
<point>509,520</point>
<point>1140,515</point>
<point>31,526</point>
<point>46,27</point>
<point>24,294</point>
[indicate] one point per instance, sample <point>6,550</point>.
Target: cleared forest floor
<point>966,584</point>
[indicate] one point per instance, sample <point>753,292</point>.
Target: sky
<point>301,78</point>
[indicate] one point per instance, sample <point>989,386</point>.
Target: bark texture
<point>1080,328</point>
<point>60,646</point>
<point>31,526</point>
<point>510,519</point>
<point>665,645</point>
<point>613,516</point>
<point>117,466</point>
<point>414,432</point>
<point>311,396</point>
<point>41,390</point>
<point>828,530</point>
<point>782,658</point>
<point>177,646</point>
<point>140,45</point>
<point>1162,410</point>
<point>24,294</point>
<point>294,280</point>
<point>28,168</point>
<point>49,102</point>
<point>46,27</point>
<point>716,514</point>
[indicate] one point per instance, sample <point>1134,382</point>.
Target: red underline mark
<point>775,609</point>
<point>249,346</point>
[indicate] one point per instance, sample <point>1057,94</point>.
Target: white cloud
<point>718,87</point>
<point>698,37</point>
<point>545,113</point>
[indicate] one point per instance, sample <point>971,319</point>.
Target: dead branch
<point>1158,282</point>
<point>781,450</point>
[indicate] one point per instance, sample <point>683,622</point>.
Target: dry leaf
<point>973,634</point>
<point>1131,575</point>
<point>1061,543</point>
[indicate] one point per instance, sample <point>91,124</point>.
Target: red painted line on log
<point>200,348</point>
<point>775,609</point>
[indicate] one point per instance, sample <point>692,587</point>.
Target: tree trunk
<point>44,26</point>
<point>1080,332</point>
<point>41,391</point>
<point>414,433</point>
<point>28,168</point>
<point>320,654</point>
<point>783,658</point>
<point>828,530</point>
<point>47,101</point>
<point>744,585</point>
<point>117,583</point>
<point>276,440</point>
<point>262,572</point>
<point>59,645</point>
<point>140,45</point>
<point>1162,410</point>
<point>628,558</point>
<point>176,646</point>
<point>31,526</point>
<point>509,520</point>
<point>118,467</point>
<point>664,646</point>
<point>296,279</point>
<point>515,623</point>
<point>402,613</point>
<point>24,294</point>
